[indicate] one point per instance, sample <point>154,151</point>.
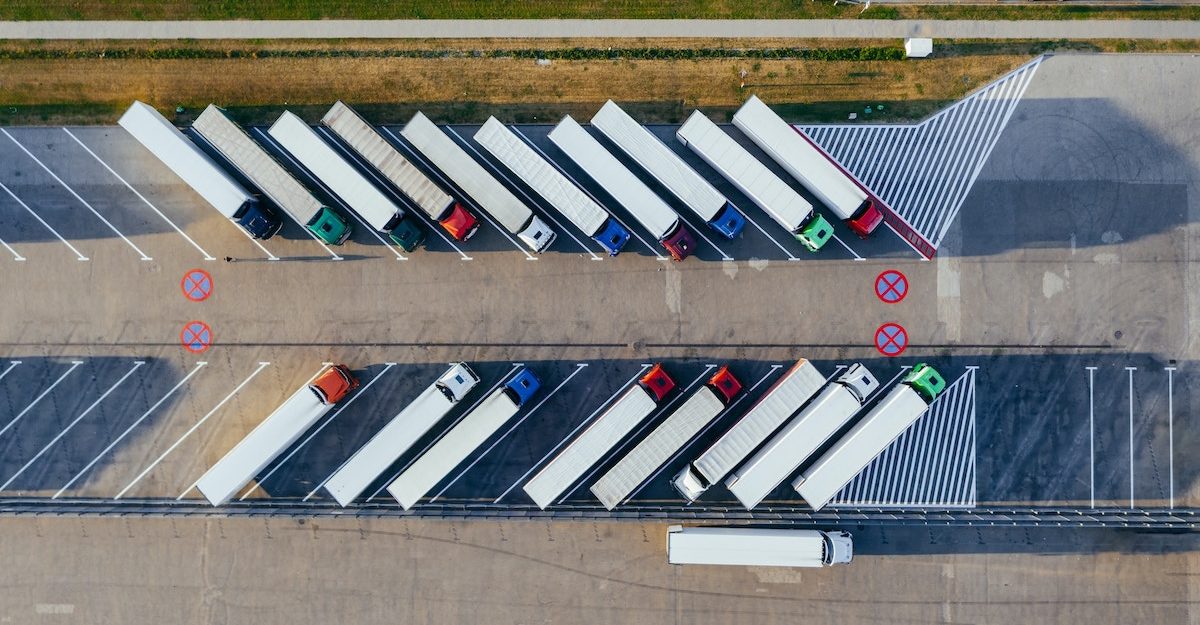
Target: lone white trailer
<point>669,170</point>
<point>276,433</point>
<point>744,546</point>
<point>669,437</point>
<point>552,185</point>
<point>200,172</point>
<point>600,436</point>
<point>364,198</point>
<point>465,437</point>
<point>809,165</point>
<point>752,178</point>
<point>649,209</point>
<point>401,433</point>
<point>440,206</point>
<point>802,436</point>
<point>885,422</point>
<point>781,401</point>
<point>476,182</point>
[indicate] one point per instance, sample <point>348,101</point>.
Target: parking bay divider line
<point>76,195</point>
<point>78,255</point>
<point>16,255</point>
<point>207,256</point>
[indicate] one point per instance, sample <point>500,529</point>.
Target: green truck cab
<point>329,226</point>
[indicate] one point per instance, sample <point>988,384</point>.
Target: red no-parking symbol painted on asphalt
<point>891,339</point>
<point>891,286</point>
<point>196,285</point>
<point>196,336</point>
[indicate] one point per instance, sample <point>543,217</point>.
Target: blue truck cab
<point>522,387</point>
<point>729,221</point>
<point>257,219</point>
<point>612,236</point>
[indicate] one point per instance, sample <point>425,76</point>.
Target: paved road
<point>423,29</point>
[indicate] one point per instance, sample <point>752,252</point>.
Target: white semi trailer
<point>802,436</point>
<point>780,401</point>
<point>752,178</point>
<point>744,546</point>
<point>401,433</point>
<point>552,185</point>
<point>465,437</point>
<point>669,170</point>
<point>809,165</point>
<point>275,434</point>
<point>440,206</point>
<point>600,436</point>
<point>200,172</point>
<point>475,181</point>
<point>885,422</point>
<point>649,209</point>
<point>670,436</point>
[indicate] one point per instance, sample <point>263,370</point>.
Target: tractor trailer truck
<point>809,165</point>
<point>624,187</point>
<point>275,434</point>
<point>401,433</point>
<point>885,422</point>
<point>260,168</point>
<point>348,183</point>
<point>552,185</point>
<point>664,441</point>
<point>669,170</point>
<point>744,546</point>
<point>410,181</point>
<point>802,436</point>
<point>600,436</point>
<point>473,179</point>
<point>752,178</point>
<point>464,438</point>
<point>780,401</point>
<point>200,172</point>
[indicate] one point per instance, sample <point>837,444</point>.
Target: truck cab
<point>329,226</point>
<point>839,547</point>
<point>926,381</point>
<point>726,386</point>
<point>612,236</point>
<point>257,219</point>
<point>537,235</point>
<point>407,234</point>
<point>333,383</point>
<point>657,382</point>
<point>523,386</point>
<point>729,222</point>
<point>679,243</point>
<point>866,219</point>
<point>816,233</point>
<point>859,381</point>
<point>460,222</point>
<point>457,382</point>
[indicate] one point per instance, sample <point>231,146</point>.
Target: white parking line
<point>1092,431</point>
<point>447,183</point>
<point>76,195</point>
<point>179,442</point>
<point>848,248</point>
<point>74,364</point>
<point>631,231</point>
<point>332,254</point>
<point>637,433</point>
<point>154,208</point>
<point>63,432</point>
<point>700,434</point>
<point>78,255</point>
<point>1171,434</point>
<point>532,203</point>
<point>462,416</point>
<point>1131,370</point>
<point>12,364</point>
<point>16,256</point>
<point>392,247</point>
<point>129,429</point>
<point>571,435</point>
<point>578,367</point>
<point>770,238</point>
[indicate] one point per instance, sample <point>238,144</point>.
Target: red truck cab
<point>657,382</point>
<point>460,223</point>
<point>679,243</point>
<point>725,385</point>
<point>333,383</point>
<point>866,219</point>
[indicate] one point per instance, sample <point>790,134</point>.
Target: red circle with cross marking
<point>891,286</point>
<point>891,339</point>
<point>196,337</point>
<point>197,285</point>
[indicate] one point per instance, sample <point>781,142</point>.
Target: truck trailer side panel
<point>590,446</point>
<point>651,452</point>
<point>262,445</point>
<point>853,452</point>
<point>740,546</point>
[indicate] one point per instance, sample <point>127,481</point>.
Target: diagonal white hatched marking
<point>932,464</point>
<point>924,171</point>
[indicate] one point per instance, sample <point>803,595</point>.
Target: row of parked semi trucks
<point>326,152</point>
<point>787,426</point>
